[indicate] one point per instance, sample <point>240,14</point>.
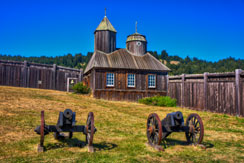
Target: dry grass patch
<point>121,131</point>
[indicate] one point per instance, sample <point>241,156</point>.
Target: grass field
<point>121,129</point>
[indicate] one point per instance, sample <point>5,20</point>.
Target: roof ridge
<point>158,61</point>
<point>133,56</point>
<point>90,62</point>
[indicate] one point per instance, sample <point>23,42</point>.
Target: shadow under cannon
<point>74,142</point>
<point>173,142</point>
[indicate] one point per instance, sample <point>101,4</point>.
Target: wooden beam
<point>80,75</point>
<point>93,81</point>
<point>54,71</point>
<point>205,90</point>
<point>182,90</point>
<point>238,91</point>
<point>167,84</point>
<point>24,77</point>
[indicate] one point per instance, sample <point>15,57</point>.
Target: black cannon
<point>66,123</point>
<point>174,122</point>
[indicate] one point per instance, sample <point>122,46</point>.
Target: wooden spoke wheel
<point>196,129</point>
<point>154,129</point>
<point>42,129</point>
<point>90,128</point>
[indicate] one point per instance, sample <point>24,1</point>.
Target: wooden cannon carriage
<point>66,123</point>
<point>158,130</point>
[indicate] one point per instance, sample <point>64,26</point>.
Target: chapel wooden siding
<point>121,63</point>
<point>34,75</point>
<point>120,91</point>
<point>215,92</point>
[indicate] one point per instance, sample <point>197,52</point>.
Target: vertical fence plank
<point>238,91</point>
<point>183,90</point>
<point>242,94</point>
<point>25,74</point>
<point>205,90</point>
<point>167,85</point>
<point>80,75</point>
<point>54,69</point>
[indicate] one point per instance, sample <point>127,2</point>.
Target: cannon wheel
<point>40,147</point>
<point>196,129</point>
<point>90,128</point>
<point>154,129</point>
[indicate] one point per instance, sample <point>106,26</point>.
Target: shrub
<point>80,88</point>
<point>159,101</point>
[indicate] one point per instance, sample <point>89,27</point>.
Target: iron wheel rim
<point>195,123</point>
<point>154,129</point>
<point>90,128</point>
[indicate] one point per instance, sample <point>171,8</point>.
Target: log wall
<point>120,91</point>
<point>33,75</point>
<point>215,92</point>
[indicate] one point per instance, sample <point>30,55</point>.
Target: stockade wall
<point>33,75</point>
<point>215,92</point>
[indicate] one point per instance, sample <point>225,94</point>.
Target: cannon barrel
<point>178,115</point>
<point>68,113</point>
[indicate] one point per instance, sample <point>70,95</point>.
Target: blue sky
<point>209,30</point>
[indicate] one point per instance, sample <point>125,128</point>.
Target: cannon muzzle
<point>178,115</point>
<point>68,113</point>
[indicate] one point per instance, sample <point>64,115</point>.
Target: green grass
<point>121,131</point>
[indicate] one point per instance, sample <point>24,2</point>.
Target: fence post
<point>54,70</point>
<point>205,90</point>
<point>80,75</point>
<point>238,91</point>
<point>182,90</point>
<point>25,74</point>
<point>167,84</point>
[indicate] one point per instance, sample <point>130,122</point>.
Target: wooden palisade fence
<point>34,75</point>
<point>215,92</point>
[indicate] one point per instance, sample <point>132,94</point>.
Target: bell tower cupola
<point>105,36</point>
<point>136,43</point>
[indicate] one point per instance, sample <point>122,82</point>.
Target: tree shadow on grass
<point>172,142</point>
<point>74,142</point>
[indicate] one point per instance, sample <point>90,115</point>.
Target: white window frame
<point>129,82</point>
<point>110,79</point>
<point>149,81</point>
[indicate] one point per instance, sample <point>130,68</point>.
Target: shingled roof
<point>105,25</point>
<point>123,59</point>
<point>136,37</point>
